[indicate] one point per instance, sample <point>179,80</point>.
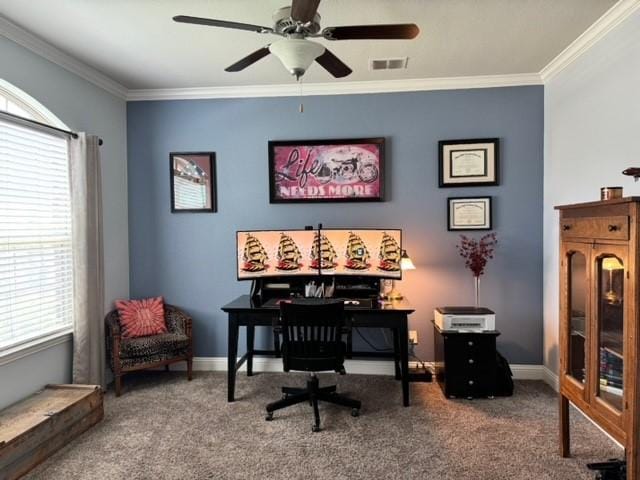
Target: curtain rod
<point>43,125</point>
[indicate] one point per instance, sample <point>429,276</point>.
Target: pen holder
<point>310,290</point>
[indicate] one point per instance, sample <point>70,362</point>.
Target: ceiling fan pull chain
<point>301,107</point>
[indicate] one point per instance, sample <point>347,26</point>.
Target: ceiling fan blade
<point>211,22</point>
<point>333,64</point>
<point>304,10</point>
<point>404,31</point>
<point>248,60</point>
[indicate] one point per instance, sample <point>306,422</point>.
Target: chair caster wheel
<point>315,428</point>
<point>269,416</point>
<point>355,412</point>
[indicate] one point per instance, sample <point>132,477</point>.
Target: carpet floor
<point>164,427</point>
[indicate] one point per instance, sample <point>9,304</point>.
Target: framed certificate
<point>465,163</point>
<point>469,213</point>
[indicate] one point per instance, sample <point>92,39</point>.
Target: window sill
<point>35,346</point>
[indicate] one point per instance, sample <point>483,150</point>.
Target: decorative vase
<point>477,290</point>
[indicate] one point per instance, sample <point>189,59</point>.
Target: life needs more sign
<point>347,170</point>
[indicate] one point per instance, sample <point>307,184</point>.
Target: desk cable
<point>375,349</point>
<point>412,354</point>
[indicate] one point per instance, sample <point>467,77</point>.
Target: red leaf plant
<point>477,253</point>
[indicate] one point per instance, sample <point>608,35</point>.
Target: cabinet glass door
<point>610,328</point>
<point>577,308</point>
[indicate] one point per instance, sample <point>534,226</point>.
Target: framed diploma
<point>469,213</point>
<point>466,163</point>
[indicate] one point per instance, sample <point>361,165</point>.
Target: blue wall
<point>189,258</point>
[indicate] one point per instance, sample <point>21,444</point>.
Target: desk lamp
<point>405,264</point>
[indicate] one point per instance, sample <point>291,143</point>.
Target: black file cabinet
<point>466,365</point>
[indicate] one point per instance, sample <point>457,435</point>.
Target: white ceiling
<point>136,43</point>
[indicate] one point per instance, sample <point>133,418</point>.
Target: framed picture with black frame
<point>469,163</point>
<point>193,182</point>
<point>336,170</point>
<point>469,213</point>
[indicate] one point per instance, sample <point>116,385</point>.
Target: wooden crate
<point>35,428</point>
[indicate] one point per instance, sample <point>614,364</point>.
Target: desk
<point>243,312</point>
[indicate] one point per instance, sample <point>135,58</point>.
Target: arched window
<point>36,265</point>
<point>15,101</point>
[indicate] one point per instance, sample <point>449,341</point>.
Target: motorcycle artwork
<point>326,172</point>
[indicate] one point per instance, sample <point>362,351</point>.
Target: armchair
<point>130,354</point>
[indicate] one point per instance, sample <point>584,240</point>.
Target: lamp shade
<point>611,263</point>
<point>405,262</point>
<point>296,54</point>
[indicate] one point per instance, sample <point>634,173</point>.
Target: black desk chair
<point>312,342</point>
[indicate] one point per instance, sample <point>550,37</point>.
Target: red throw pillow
<point>139,318</point>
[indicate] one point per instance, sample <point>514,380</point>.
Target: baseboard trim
<point>527,372</point>
<point>550,378</point>
<point>596,425</point>
<point>361,367</point>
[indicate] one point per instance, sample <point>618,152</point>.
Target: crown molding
<point>596,32</point>
<point>37,45</point>
<point>337,88</point>
<point>612,18</point>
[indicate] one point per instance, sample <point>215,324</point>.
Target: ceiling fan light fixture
<point>296,54</point>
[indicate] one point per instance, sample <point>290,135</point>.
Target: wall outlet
<point>413,337</point>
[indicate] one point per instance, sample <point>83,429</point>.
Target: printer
<point>467,319</point>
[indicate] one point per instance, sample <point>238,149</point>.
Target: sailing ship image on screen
<point>288,254</point>
<point>390,254</point>
<point>254,255</point>
<point>323,255</point>
<point>357,253</point>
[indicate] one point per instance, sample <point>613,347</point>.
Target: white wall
<point>592,133</point>
<point>83,107</point>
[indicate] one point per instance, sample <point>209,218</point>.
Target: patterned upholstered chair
<point>129,354</point>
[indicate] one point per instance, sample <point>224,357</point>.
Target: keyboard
<point>348,302</point>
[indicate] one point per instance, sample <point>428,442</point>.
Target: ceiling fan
<point>296,24</point>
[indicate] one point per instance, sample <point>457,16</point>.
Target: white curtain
<point>88,281</point>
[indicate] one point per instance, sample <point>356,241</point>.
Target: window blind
<point>36,263</point>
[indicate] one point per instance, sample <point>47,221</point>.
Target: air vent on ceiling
<point>388,63</point>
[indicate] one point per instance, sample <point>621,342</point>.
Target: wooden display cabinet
<point>599,320</point>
